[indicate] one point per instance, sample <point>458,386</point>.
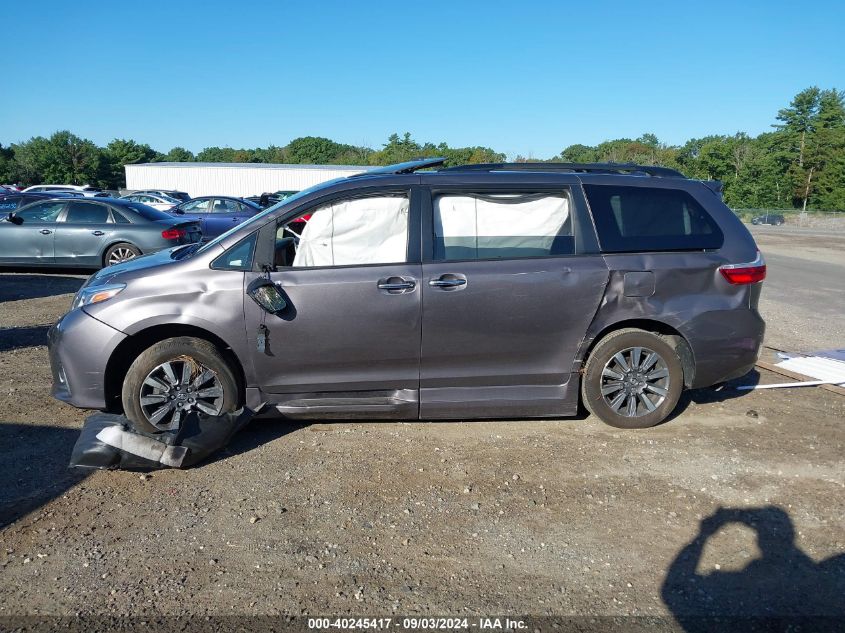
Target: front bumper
<point>80,347</point>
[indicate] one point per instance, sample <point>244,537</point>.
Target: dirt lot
<point>566,517</point>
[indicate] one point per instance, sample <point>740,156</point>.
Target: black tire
<point>202,354</point>
<point>120,252</point>
<point>602,357</point>
<point>754,222</point>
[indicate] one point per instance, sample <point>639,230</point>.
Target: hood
<point>131,268</point>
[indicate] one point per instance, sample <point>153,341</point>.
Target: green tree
<point>64,158</point>
<point>179,155</point>
<point>118,153</point>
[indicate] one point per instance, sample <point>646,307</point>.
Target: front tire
<point>633,379</point>
<point>174,377</point>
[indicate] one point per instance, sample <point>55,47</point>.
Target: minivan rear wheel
<point>633,379</point>
<point>174,377</point>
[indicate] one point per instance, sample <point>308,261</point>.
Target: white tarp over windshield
<point>359,231</point>
<point>480,226</point>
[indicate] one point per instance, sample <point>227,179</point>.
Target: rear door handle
<point>97,233</point>
<point>448,281</point>
<point>46,231</point>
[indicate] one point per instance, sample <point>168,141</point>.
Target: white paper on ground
<point>826,371</point>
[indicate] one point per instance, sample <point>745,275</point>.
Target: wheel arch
<point>129,348</point>
<point>678,340</point>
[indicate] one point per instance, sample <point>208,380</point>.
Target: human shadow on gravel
<point>17,287</point>
<point>18,337</point>
<point>784,589</point>
<point>33,468</point>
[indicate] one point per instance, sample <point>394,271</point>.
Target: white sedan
<point>160,202</point>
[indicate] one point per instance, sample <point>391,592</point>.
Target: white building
<point>232,179</point>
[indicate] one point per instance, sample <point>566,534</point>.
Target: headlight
<point>95,294</point>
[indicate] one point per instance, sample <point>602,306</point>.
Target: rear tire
<point>180,374</point>
<point>632,389</point>
<point>119,253</point>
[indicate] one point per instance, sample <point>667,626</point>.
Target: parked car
<point>156,201</point>
<point>88,233</point>
<point>505,290</point>
<point>269,199</point>
<point>217,214</point>
<point>181,196</point>
<point>11,201</point>
<point>86,190</point>
<point>774,219</point>
<point>10,188</point>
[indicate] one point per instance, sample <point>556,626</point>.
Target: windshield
<point>258,219</point>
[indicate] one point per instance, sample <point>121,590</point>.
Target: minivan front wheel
<point>174,377</point>
<point>633,379</point>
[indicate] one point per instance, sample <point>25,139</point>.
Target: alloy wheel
<point>635,381</point>
<point>176,387</point>
<point>121,254</point>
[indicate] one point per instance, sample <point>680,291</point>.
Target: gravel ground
<point>564,517</point>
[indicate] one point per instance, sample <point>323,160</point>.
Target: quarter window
<point>349,232</point>
<point>636,219</point>
<point>502,225</point>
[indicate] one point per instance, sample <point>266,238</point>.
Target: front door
<point>31,242</point>
<point>348,344</point>
<point>506,304</point>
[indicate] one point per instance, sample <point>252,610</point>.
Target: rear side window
<point>87,213</point>
<point>501,225</point>
<point>636,219</point>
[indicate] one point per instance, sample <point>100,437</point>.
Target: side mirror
<point>15,219</point>
<point>177,211</point>
<point>267,295</point>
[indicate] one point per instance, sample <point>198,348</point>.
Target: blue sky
<point>522,77</point>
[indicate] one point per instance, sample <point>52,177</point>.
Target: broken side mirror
<point>15,219</point>
<point>267,295</point>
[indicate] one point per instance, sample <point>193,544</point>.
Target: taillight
<point>173,234</point>
<point>749,273</point>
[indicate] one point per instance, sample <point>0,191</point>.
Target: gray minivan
<point>481,291</point>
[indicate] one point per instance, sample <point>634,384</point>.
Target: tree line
<point>799,164</point>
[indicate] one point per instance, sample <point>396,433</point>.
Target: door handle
<point>45,231</point>
<point>447,283</point>
<point>398,285</point>
<point>97,233</point>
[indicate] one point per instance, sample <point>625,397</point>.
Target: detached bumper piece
<point>110,442</point>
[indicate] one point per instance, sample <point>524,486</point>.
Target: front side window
<point>636,219</point>
<point>41,212</point>
<point>87,213</point>
<point>347,232</point>
<point>501,225</point>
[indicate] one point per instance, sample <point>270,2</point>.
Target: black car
<point>88,232</point>
<point>774,219</point>
<point>11,201</point>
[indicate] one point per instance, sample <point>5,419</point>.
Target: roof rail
<point>592,168</point>
<point>408,167</point>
